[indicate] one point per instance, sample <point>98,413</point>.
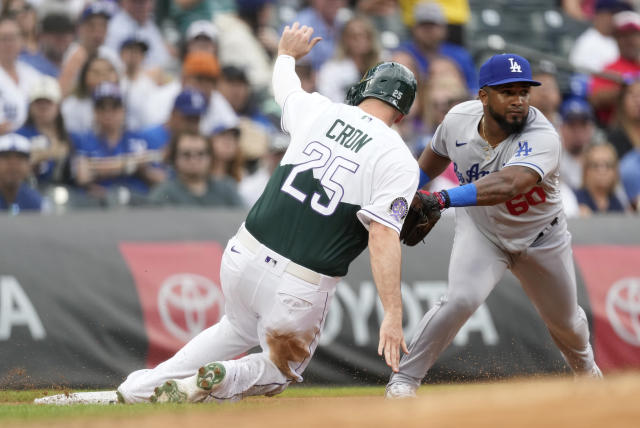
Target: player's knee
<point>463,304</point>
<point>288,351</point>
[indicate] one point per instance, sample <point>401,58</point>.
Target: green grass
<point>18,405</point>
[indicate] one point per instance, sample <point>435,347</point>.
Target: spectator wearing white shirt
<point>246,40</point>
<point>16,77</point>
<point>136,17</point>
<point>201,35</point>
<point>596,47</point>
<point>77,109</point>
<point>201,71</point>
<point>357,51</point>
<point>138,87</point>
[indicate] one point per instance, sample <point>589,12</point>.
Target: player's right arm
<point>294,44</point>
<point>431,164</point>
<point>434,158</point>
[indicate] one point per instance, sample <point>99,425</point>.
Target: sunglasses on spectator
<point>108,104</point>
<point>603,165</point>
<point>193,154</point>
<point>18,10</point>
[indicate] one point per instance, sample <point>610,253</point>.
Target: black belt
<point>553,223</point>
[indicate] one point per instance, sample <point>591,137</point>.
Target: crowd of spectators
<point>151,103</point>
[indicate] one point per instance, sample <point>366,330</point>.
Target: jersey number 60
<point>320,155</point>
<point>520,204</point>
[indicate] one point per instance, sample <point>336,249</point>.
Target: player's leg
<point>475,267</point>
<point>547,275</point>
<point>293,314</point>
<point>234,334</point>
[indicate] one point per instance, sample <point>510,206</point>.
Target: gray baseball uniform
<point>527,235</point>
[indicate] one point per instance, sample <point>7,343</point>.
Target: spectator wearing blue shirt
<point>428,41</point>
<point>110,158</point>
<point>50,142</point>
<point>15,195</point>
<point>57,32</point>
<point>189,106</point>
<point>322,16</point>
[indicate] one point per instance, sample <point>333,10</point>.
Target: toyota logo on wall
<point>184,300</point>
<point>623,309</point>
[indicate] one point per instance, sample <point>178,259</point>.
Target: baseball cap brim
<point>130,43</point>
<point>514,80</point>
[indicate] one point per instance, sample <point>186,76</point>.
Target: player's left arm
<point>504,185</point>
<point>530,164</point>
<point>384,249</point>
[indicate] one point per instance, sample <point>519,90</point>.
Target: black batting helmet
<point>390,82</point>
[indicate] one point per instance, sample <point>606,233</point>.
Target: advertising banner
<point>612,276</point>
<point>86,298</point>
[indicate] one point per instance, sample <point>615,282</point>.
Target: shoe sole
<point>210,375</point>
<point>168,393</point>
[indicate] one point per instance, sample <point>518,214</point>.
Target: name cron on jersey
<point>348,136</point>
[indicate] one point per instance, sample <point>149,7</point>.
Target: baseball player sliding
<point>345,181</point>
<point>506,156</point>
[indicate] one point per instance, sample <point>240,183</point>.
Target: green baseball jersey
<point>342,169</point>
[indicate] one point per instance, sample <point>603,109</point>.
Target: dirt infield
<point>555,402</point>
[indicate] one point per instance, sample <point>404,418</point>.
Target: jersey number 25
<point>320,155</point>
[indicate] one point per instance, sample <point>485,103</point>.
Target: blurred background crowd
<point>141,103</point>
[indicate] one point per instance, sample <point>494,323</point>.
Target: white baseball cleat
<point>194,389</point>
<point>595,372</point>
<point>93,397</point>
<point>399,390</point>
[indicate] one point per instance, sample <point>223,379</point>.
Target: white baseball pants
<point>546,273</point>
<point>264,305</point>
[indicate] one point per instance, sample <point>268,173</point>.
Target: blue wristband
<point>424,179</point>
<point>463,196</point>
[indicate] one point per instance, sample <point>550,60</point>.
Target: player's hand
<point>295,41</point>
<point>391,339</point>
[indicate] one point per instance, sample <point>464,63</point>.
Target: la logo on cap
<point>196,100</point>
<point>515,67</point>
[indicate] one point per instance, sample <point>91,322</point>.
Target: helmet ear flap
<point>354,95</point>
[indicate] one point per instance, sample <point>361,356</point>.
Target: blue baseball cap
<point>191,102</point>
<point>576,108</point>
<point>107,90</point>
<point>99,8</point>
<point>505,68</point>
<point>135,40</point>
<point>611,6</point>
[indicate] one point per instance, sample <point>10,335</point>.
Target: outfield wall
<point>86,298</point>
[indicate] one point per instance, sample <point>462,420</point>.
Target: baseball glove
<point>423,214</point>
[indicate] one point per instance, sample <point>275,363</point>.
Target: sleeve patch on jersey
<point>399,208</point>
